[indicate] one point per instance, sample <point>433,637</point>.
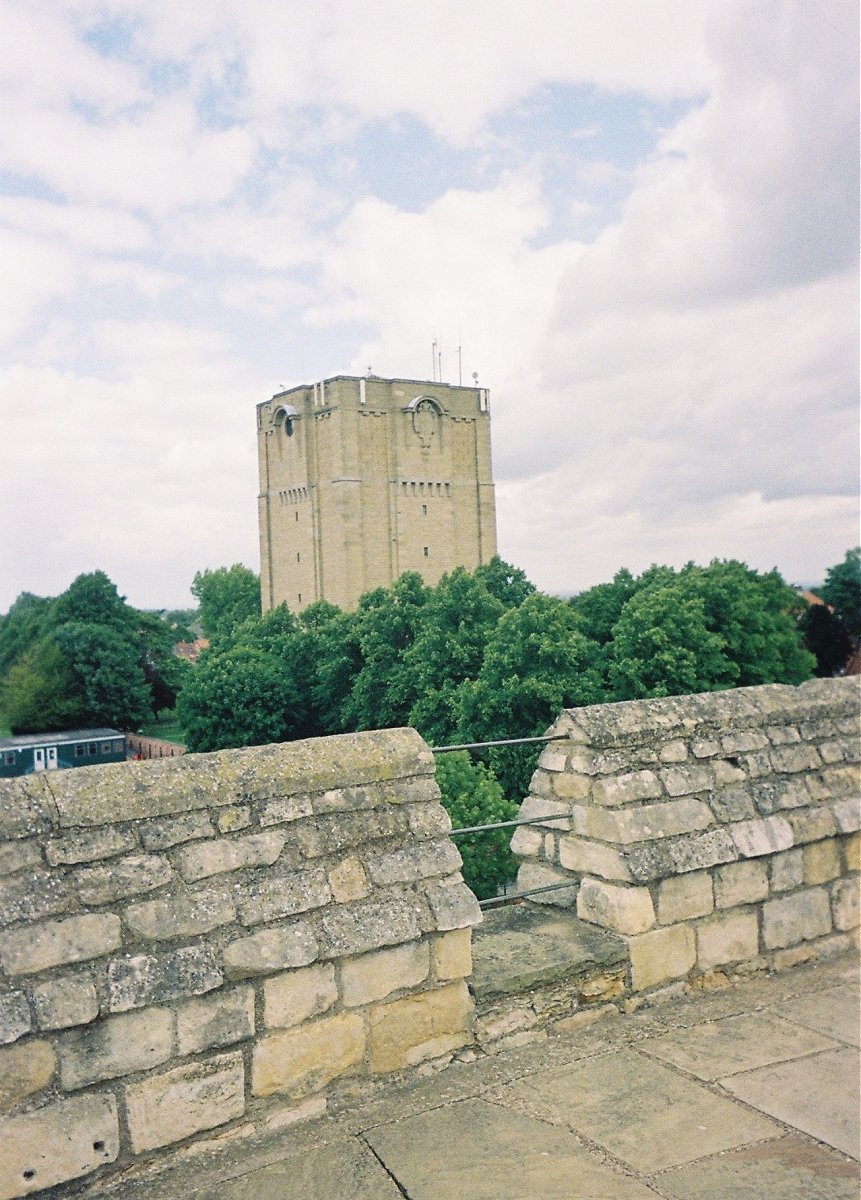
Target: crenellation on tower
<point>362,479</point>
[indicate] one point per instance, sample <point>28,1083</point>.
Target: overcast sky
<point>639,219</point>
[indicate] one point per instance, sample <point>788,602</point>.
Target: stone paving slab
<point>787,1168</point>
<point>343,1171</point>
<point>721,1048</point>
<point>818,1095</point>
<point>483,1152</point>
<point>836,1012</point>
<point>642,1112</point>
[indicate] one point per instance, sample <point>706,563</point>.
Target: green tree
<point>842,590</point>
<point>226,597</point>
<point>826,638</point>
<point>26,623</point>
<point>111,685</point>
<point>92,599</point>
<point>506,583</point>
<point>40,691</point>
<point>334,656</point>
<point>472,796</point>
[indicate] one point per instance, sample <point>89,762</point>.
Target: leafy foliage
<point>842,590</point>
<point>826,637</point>
<point>472,796</point>
<point>226,597</point>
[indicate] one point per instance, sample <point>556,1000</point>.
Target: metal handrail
<point>547,737</point>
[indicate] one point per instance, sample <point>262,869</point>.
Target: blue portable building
<point>33,752</point>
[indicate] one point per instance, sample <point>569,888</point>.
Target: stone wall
<point>717,833</point>
<point>211,941</point>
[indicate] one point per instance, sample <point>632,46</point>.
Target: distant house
<point>33,752</point>
<point>190,651</point>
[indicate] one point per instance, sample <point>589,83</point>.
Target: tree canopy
<point>226,597</point>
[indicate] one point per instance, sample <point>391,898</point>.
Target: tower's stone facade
<point>363,479</point>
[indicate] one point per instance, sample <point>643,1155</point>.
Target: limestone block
<point>733,937</point>
<point>173,831</point>
<point>678,856</point>
<point>763,836</point>
<point>409,864</point>
<point>773,796</point>
<point>200,860</point>
<point>528,841</point>
<point>14,1017</point>
<point>19,856</point>
<point>270,950</point>
<point>845,904</point>
<point>295,996</point>
<point>219,1019</point>
<point>53,943</point>
<point>683,780</point>
<point>428,820</point>
<point>368,925</point>
<point>705,748</point>
<point>305,1059</point>
<point>374,976</point>
<point>832,752</point>
<point>623,909</point>
<point>552,759</point>
<point>116,1046</point>
<point>591,858</point>
<point>346,831</point>
<point>285,809</point>
<point>451,955</point>
<point>784,735</point>
<point>740,883</point>
<point>726,774</point>
<point>85,845</point>
<point>796,918</point>
<point>743,741</point>
<point>408,1031</point>
<point>31,895</point>
<point>176,1104</point>
<point>840,781</point>
<point>348,881</point>
<point>633,785</point>
<point>847,813</point>
<point>732,804</point>
<point>267,899</point>
<point>821,862</point>
<point>344,799</point>
<point>127,877</point>
<point>644,822</point>
<point>144,979</point>
<point>795,758</point>
<point>57,1143</point>
<point>757,765</point>
<point>786,870</point>
<point>661,955</point>
<point>62,1003</point>
<point>452,906</point>
<point>540,875</point>
<point>540,807</point>
<point>233,818</point>
<point>571,786</point>
<point>28,809</point>
<point>25,1069</point>
<point>852,852</point>
<point>683,897</point>
<point>673,752</point>
<point>181,914</point>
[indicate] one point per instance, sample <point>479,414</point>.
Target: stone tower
<point>363,479</point>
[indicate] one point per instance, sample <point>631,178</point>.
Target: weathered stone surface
<point>30,895</point>
<point>592,858</point>
<point>552,758</point>
<point>452,906</point>
<point>374,976</point>
<point>733,937</point>
<point>305,1059</point>
<point>346,831</point>
<point>219,1019</point>
<point>812,824</point>
<point>784,735</point>
<point>62,1003</point>
<point>411,863</point>
<point>116,1046</point>
<point>821,862</point>
<point>169,1107</point>
<point>845,903</point>
<point>743,741</point>
<point>847,813</point>
<point>451,955</point>
<point>269,950</point>
<point>285,809</point>
<point>705,748</point>
<point>34,948</point>
<point>775,795</point>
<point>173,831</point>
<point>644,822</point>
<point>19,856</point>
<point>181,914</point>
<point>407,1031</point>
<point>368,925</point>
<point>27,808</point>
<point>540,806</point>
<point>673,752</point>
<point>677,856</point>
<point>200,860</point>
<point>428,820</point>
<point>796,918</point>
<point>740,883</point>
<point>295,996</point>
<point>765,836</point>
<point>542,875</point>
<point>348,881</point>
<point>14,1017</point>
<point>154,979</point>
<point>682,781</point>
<point>57,1143</point>
<point>852,853</point>
<point>128,877</point>
<point>527,841</point>
<point>571,786</point>
<point>233,818</point>
<point>85,845</point>
<point>623,909</point>
<point>786,870</point>
<point>683,897</point>
<point>25,1069</point>
<point>661,955</point>
<point>633,785</point>
<point>267,899</point>
<point>795,758</point>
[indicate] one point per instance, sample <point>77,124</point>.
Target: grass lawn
<point>164,726</point>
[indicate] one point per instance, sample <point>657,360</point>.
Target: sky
<point>638,221</point>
